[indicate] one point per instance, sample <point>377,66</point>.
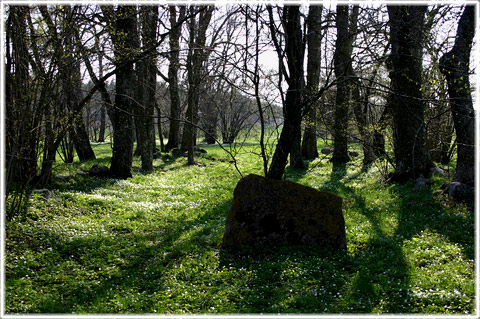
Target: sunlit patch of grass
<point>151,244</point>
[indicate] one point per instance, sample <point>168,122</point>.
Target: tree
<point>289,141</point>
<point>314,39</point>
<point>455,66</point>
<point>103,106</point>
<point>407,105</point>
<point>147,80</point>
<point>23,115</point>
<point>346,25</point>
<point>63,121</point>
<point>234,113</point>
<point>73,84</point>
<point>122,29</point>
<point>196,57</point>
<point>173,67</point>
<point>365,120</point>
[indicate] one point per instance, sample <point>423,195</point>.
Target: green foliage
<point>151,244</point>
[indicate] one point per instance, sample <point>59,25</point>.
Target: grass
<point>150,244</point>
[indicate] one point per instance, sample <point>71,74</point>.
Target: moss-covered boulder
<point>267,212</point>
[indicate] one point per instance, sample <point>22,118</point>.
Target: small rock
<point>80,172</point>
<point>45,193</point>
<point>178,152</point>
<point>64,178</point>
<point>199,164</point>
<point>327,150</point>
<point>437,171</point>
<point>353,153</point>
<point>461,192</point>
<point>421,182</point>
<point>200,150</point>
<point>98,170</point>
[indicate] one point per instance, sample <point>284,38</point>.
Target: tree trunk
<point>344,73</point>
<point>360,108</point>
<point>295,50</point>
<point>103,120</point>
<point>81,140</point>
<point>289,141</point>
<point>22,134</point>
<point>103,111</point>
<point>407,106</point>
<point>314,40</point>
<point>147,79</point>
<point>455,66</point>
<point>60,122</point>
<point>124,43</point>
<point>163,147</point>
<point>66,149</point>
<point>364,124</point>
<point>211,120</point>
<point>174,37</point>
<point>195,71</point>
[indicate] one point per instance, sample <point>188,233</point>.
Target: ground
<point>151,244</point>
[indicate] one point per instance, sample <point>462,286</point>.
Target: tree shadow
<point>420,211</point>
<point>379,270</point>
<point>379,275</point>
<point>140,260</point>
<point>284,279</point>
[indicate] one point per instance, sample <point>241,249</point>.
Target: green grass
<point>151,244</point>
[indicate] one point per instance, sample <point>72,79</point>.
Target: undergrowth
<point>151,244</point>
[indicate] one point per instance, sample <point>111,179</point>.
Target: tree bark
<point>210,118</point>
<point>289,141</point>
<point>344,74</point>
<point>364,124</point>
<point>407,106</point>
<point>455,66</point>
<point>295,50</point>
<point>147,80</point>
<point>21,119</point>
<point>160,130</point>
<point>174,38</point>
<point>124,45</point>
<point>103,111</point>
<point>314,39</point>
<point>195,71</point>
<point>81,140</point>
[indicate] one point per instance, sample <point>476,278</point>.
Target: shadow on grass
<point>141,261</point>
<point>378,275</point>
<point>124,270</point>
<point>420,210</point>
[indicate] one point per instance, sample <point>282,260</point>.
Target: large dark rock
<point>267,213</point>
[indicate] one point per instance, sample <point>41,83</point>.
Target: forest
<point>127,128</point>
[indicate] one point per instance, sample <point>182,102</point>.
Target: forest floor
<point>151,244</point>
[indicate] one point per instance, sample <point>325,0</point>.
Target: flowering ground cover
<point>151,244</point>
